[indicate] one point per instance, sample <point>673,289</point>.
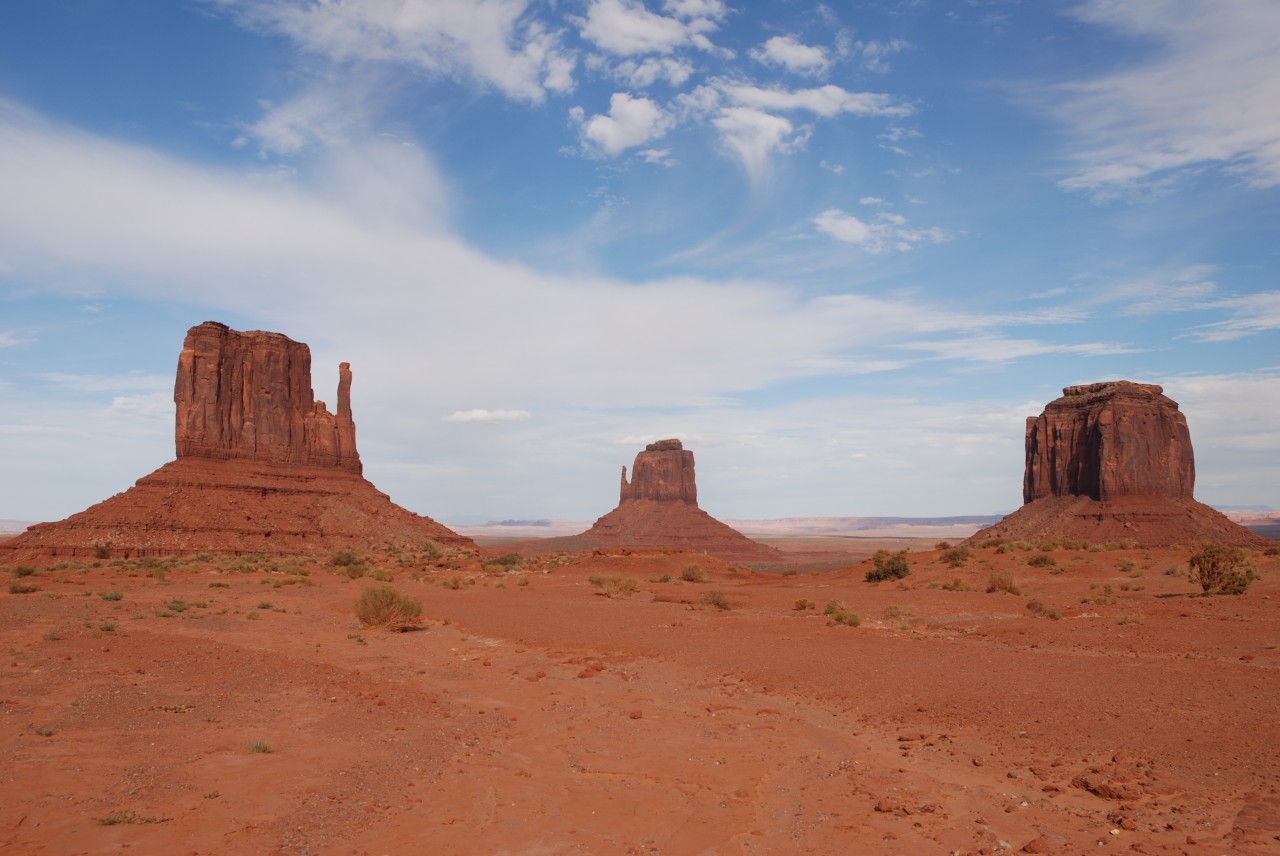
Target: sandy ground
<point>532,715</point>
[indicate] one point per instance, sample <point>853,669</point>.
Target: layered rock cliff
<point>658,507</point>
<point>247,396</point>
<point>1113,462</point>
<point>262,468</point>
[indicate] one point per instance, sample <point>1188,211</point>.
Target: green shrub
<point>1002,581</point>
<point>614,587</point>
<point>716,598</point>
<point>888,566</point>
<point>1220,569</point>
<point>693,573</point>
<point>383,606</point>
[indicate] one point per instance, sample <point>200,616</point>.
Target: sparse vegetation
<point>956,557</point>
<point>847,617</point>
<point>1042,560</point>
<point>1038,608</point>
<point>22,588</point>
<point>260,747</point>
<point>888,566</point>
<point>957,584</point>
<point>111,595</point>
<point>1219,569</point>
<point>344,559</point>
<point>23,571</point>
<point>833,606</point>
<point>117,818</point>
<point>383,606</point>
<point>614,587</point>
<point>693,573</point>
<point>716,598</point>
<point>804,603</point>
<point>1002,582</point>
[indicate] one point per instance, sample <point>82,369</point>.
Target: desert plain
<point>221,704</point>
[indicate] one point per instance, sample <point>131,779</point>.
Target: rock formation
<point>1113,462</point>
<point>247,396</point>
<point>659,508</point>
<point>262,467</point>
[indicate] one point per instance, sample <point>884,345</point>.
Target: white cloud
<point>836,168</point>
<point>646,72</point>
<point>494,42</point>
<point>132,381</point>
<point>662,157</point>
<point>793,55</point>
<point>491,416</point>
<point>318,117</point>
<point>8,340</point>
<point>876,55</point>
<point>825,101</point>
<point>752,135</point>
<point>1252,314</point>
<point>1206,92</point>
<point>631,122</point>
<point>887,232</point>
<point>627,28</point>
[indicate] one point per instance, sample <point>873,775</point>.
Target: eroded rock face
<point>659,508</point>
<point>1113,462</point>
<point>247,396</point>
<point>1109,440</point>
<point>663,471</point>
<point>262,468</point>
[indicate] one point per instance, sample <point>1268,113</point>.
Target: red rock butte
<point>1112,461</point>
<point>262,467</point>
<point>659,508</point>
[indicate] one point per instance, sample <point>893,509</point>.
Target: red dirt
<point>542,717</point>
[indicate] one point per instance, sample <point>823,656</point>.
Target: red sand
<point>544,718</point>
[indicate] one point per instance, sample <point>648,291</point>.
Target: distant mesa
<point>1113,462</point>
<point>262,467</point>
<point>658,507</point>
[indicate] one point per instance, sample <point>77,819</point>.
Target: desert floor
<point>531,714</point>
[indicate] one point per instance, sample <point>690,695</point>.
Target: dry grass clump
<point>956,584</point>
<point>716,598</point>
<point>1002,581</point>
<point>955,557</point>
<point>804,603</point>
<point>383,606</point>
<point>614,587</point>
<point>1220,569</point>
<point>1042,560</point>
<point>847,617</point>
<point>1038,608</point>
<point>693,573</point>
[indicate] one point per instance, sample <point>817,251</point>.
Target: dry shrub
<point>1042,560</point>
<point>847,617</point>
<point>1220,569</point>
<point>693,573</point>
<point>383,606</point>
<point>1038,608</point>
<point>803,604</point>
<point>956,556</point>
<point>716,598</point>
<point>1002,581</point>
<point>614,587</point>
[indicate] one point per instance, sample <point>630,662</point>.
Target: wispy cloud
<point>1205,93</point>
<point>790,53</point>
<point>887,231</point>
<point>627,28</point>
<point>493,43</point>
<point>132,381</point>
<point>487,416</point>
<point>1251,314</point>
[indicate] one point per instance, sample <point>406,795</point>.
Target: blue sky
<point>842,250</point>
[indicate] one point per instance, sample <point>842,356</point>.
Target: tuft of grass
<point>804,603</point>
<point>22,588</point>
<point>111,595</point>
<point>260,747</point>
<point>23,571</point>
<point>117,818</point>
<point>107,627</point>
<point>1002,582</point>
<point>833,606</point>
<point>716,598</point>
<point>1042,560</point>
<point>955,557</point>
<point>1038,608</point>
<point>693,573</point>
<point>614,587</point>
<point>847,617</point>
<point>383,606</point>
<point>956,585</point>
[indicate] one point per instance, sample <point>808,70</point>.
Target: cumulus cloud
<point>752,135</point>
<point>1206,94</point>
<point>647,72</point>
<point>888,231</point>
<point>487,416</point>
<point>790,53</point>
<point>494,42</point>
<point>630,122</point>
<point>627,28</point>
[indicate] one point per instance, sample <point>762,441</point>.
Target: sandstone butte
<point>262,467</point>
<point>1112,461</point>
<point>659,508</point>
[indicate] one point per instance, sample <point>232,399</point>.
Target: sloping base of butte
<point>683,526</point>
<point>235,507</point>
<point>1147,521</point>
